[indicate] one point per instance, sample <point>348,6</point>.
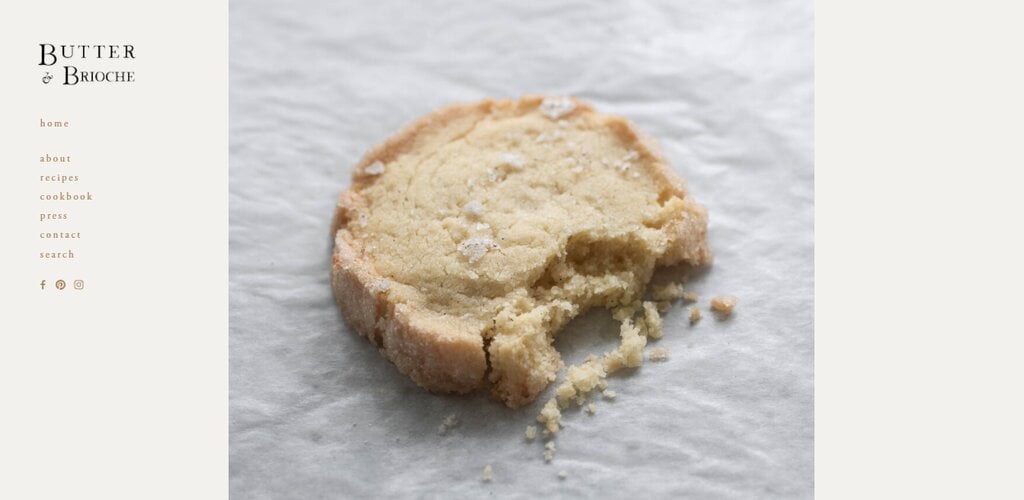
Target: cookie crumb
<point>531,432</point>
<point>580,380</point>
<point>652,320</point>
<point>375,168</point>
<point>591,409</point>
<point>562,474</point>
<point>488,474</point>
<point>658,354</point>
<point>450,422</point>
<point>549,451</point>
<point>630,353</point>
<point>724,304</point>
<point>550,416</point>
<point>556,107</point>
<point>694,315</point>
<point>608,393</point>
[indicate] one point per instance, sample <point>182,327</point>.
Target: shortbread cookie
<point>467,240</point>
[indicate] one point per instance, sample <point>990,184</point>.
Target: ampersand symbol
<point>47,77</point>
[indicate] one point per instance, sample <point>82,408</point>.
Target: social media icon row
<point>61,284</point>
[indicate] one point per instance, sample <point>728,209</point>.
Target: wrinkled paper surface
<point>726,87</point>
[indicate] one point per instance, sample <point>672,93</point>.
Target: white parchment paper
<point>727,88</point>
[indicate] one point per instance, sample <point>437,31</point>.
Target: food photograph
<point>521,249</point>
